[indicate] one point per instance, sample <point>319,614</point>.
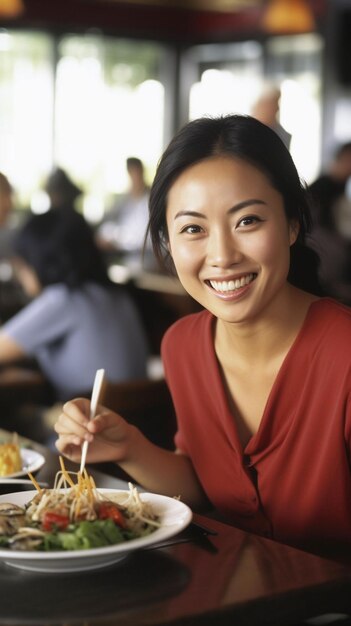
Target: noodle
<point>76,515</point>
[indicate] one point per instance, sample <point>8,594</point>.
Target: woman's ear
<point>294,229</point>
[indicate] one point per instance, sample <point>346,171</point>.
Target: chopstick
<point>99,379</point>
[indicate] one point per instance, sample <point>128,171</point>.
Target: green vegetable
<point>85,535</point>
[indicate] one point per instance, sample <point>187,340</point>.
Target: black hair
<point>242,137</point>
<point>60,185</point>
<point>135,162</point>
<point>60,247</point>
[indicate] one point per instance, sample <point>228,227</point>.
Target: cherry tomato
<point>108,510</point>
<point>53,521</point>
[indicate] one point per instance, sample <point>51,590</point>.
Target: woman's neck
<point>261,340</point>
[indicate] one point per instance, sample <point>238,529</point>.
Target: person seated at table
<point>11,294</point>
<point>123,230</point>
<point>267,109</point>
<point>261,378</point>
<point>330,187</point>
<point>331,233</point>
<point>62,191</point>
<point>77,320</point>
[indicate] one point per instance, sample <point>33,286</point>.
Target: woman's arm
<point>111,438</point>
<point>10,350</point>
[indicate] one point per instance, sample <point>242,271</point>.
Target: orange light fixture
<point>288,16</point>
<point>11,8</point>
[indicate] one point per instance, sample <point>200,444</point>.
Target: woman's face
<point>229,237</point>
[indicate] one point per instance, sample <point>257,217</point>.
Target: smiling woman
<point>260,378</point>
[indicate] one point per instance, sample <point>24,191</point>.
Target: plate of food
<point>16,461</point>
<point>77,527</point>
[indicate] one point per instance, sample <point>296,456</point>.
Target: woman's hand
<point>108,434</point>
<point>111,438</point>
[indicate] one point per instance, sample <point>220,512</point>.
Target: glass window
<point>109,106</point>
<point>295,62</point>
<point>26,109</point>
<point>84,103</point>
<point>228,78</point>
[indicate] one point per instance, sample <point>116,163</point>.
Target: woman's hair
<point>241,137</point>
<point>60,247</point>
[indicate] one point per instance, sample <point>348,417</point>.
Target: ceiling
<point>197,5</point>
<point>180,21</point>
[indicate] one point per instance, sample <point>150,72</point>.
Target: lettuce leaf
<point>85,535</point>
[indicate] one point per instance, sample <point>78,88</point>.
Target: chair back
<point>147,404</point>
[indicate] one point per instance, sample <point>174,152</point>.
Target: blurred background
<point>91,92</point>
<point>86,83</point>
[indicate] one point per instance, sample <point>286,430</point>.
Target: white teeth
<point>231,285</point>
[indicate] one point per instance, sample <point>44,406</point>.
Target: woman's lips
<point>231,286</point>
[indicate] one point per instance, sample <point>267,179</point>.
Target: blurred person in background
<point>6,212</point>
<point>77,320</point>
<point>330,186</point>
<point>331,234</point>
<point>11,294</point>
<point>62,191</point>
<point>125,225</point>
<point>266,109</point>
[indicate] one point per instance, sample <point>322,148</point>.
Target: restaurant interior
<point>85,85</point>
<point>89,83</point>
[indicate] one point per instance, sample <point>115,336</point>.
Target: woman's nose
<point>222,250</point>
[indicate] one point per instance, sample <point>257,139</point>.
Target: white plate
<point>174,516</point>
<point>31,462</point>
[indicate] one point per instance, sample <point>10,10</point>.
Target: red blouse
<point>292,481</point>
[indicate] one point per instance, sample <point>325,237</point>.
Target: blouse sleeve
<point>46,319</point>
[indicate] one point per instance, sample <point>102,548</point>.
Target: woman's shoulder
<point>330,319</point>
<point>57,295</point>
<point>332,310</point>
<point>184,329</point>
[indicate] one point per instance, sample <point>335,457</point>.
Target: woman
<point>77,321</point>
<point>261,378</point>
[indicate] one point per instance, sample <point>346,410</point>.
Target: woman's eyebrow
<point>245,203</point>
<point>187,213</point>
<point>236,207</point>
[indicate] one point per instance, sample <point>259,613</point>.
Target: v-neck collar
<point>261,437</point>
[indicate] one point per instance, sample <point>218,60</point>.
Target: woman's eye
<point>192,229</point>
<point>249,220</point>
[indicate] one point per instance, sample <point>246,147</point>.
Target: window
<point>26,110</point>
<point>109,105</point>
<point>101,101</point>
<point>228,78</point>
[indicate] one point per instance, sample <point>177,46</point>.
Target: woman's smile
<point>232,287</point>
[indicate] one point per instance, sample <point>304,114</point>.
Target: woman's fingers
<point>78,410</point>
<point>107,433</point>
<point>66,445</point>
<point>66,426</point>
<point>105,420</point>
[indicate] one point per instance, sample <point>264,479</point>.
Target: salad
<point>75,516</point>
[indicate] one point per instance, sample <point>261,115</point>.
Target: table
<point>226,578</point>
<point>22,385</point>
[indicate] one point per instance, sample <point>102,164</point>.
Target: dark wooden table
<point>226,578</point>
